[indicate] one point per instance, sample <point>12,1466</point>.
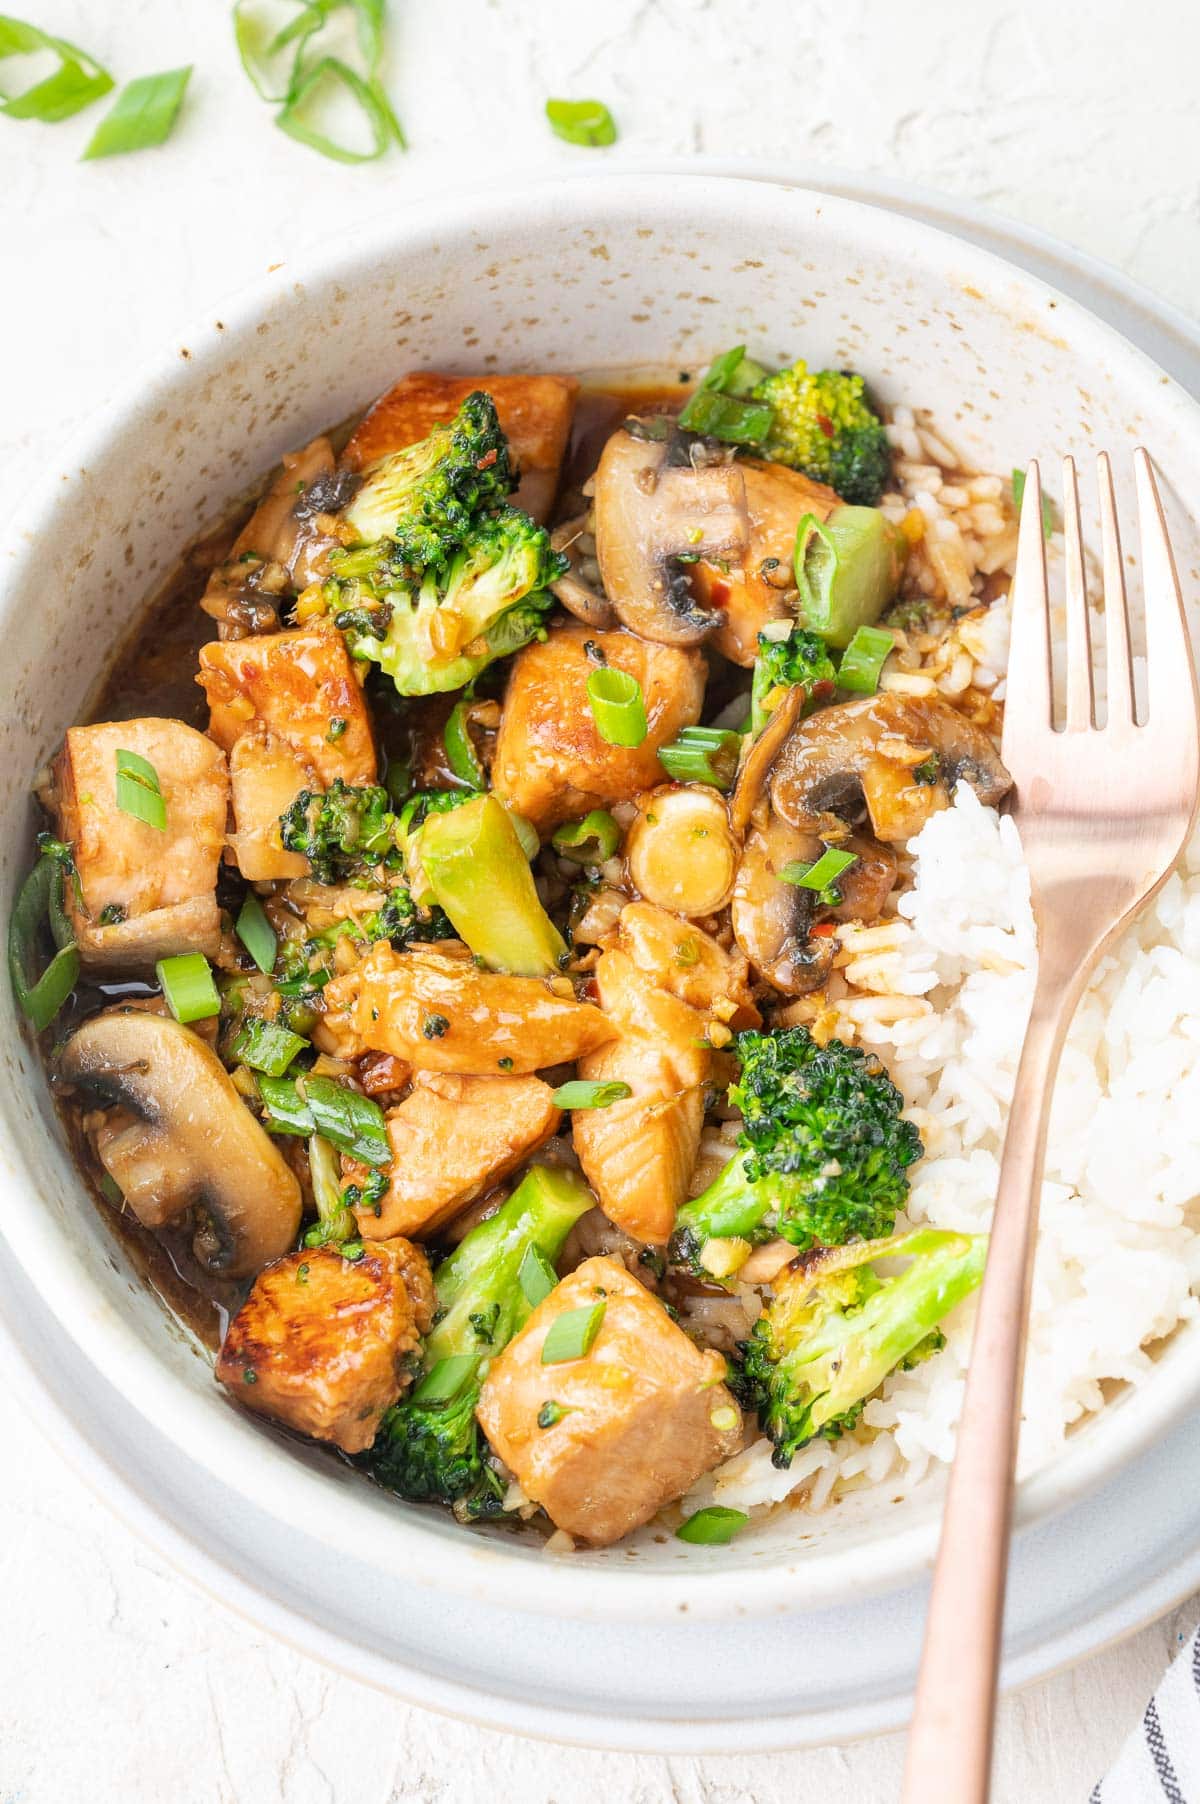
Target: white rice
<point>1119,1248</point>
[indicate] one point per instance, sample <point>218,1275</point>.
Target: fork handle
<point>950,1743</point>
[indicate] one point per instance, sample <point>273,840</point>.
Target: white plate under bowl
<point>671,270</point>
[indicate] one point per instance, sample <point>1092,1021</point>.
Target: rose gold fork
<point>1103,814</point>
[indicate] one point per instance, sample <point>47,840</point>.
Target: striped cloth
<point>1160,1763</point>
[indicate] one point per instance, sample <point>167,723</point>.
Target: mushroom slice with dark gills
<point>899,755</point>
<point>576,590</point>
<point>182,1138</point>
<point>773,919</point>
<point>656,501</point>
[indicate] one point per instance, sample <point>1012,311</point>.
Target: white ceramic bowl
<point>598,273</point>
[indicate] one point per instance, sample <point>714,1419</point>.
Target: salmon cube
<point>144,892</point>
<point>602,1442</point>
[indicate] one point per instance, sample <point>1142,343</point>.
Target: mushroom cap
<point>649,512</point>
<point>772,919</point>
<point>874,749</point>
<point>193,1142</point>
<point>573,590</point>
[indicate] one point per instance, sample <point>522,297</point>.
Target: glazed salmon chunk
<point>639,1417</point>
<point>144,891</point>
<point>452,1138</point>
<point>321,1342</point>
<point>290,711</point>
<point>551,764</point>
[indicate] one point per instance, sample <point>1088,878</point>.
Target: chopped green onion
<point>312,91</point>
<point>734,422</point>
<point>590,841</point>
<point>267,1046</point>
<point>257,934</point>
<point>536,1276</point>
<point>579,1094</point>
<point>1018,495</point>
<point>139,792</point>
<point>187,983</point>
<point>75,84</point>
<point>258,45</point>
<point>571,1335</point>
<point>714,1527</point>
<point>863,660</point>
<point>353,1122</point>
<point>461,755</point>
<point>40,905</point>
<point>336,1223</point>
<point>824,871</point>
<point>446,1380</point>
<point>703,755</point>
<point>142,115</point>
<point>285,1109</point>
<point>618,707</point>
<point>586,122</point>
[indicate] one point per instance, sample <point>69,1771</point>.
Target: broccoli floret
<point>824,425</point>
<point>802,658</point>
<point>425,497</point>
<point>343,831</point>
<point>429,1446</point>
<point>835,1330</point>
<point>487,601</point>
<point>824,1152</point>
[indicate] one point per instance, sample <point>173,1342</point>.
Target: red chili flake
<point>486,462</point>
<point>826,424</point>
<point>589,990</point>
<point>822,931</point>
<point>719,592</point>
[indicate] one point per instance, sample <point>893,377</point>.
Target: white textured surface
<point>117,1680</point>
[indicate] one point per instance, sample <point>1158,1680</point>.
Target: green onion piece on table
<point>713,1527</point>
<point>579,1094</point>
<point>257,934</point>
<point>586,122</point>
<point>188,986</point>
<point>75,84</point>
<point>618,707</point>
<point>39,907</point>
<point>571,1335</point>
<point>311,95</point>
<point>589,841</point>
<point>863,660</point>
<point>142,115</point>
<point>703,755</point>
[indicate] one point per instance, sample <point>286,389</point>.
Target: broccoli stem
<point>475,865</point>
<point>731,1208</point>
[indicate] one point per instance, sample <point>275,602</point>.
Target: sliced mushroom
<point>650,511</point>
<point>772,920</point>
<point>901,755</point>
<point>281,546</point>
<point>577,594</point>
<point>184,1139</point>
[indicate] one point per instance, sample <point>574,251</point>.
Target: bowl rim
<point>275,1481</point>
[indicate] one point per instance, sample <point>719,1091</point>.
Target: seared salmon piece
<point>452,1138</point>
<point>535,414</point>
<point>777,499</point>
<point>273,704</point>
<point>321,1342</point>
<point>638,1154</point>
<point>550,763</point>
<point>632,1424</point>
<point>688,962</point>
<point>144,893</point>
<point>438,1011</point>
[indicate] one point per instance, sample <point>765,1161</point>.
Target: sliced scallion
<point>579,1094</point>
<point>335,1221</point>
<point>267,1046</point>
<point>820,874</point>
<point>1018,495</point>
<point>586,122</point>
<point>284,1109</point>
<point>703,755</point>
<point>188,986</point>
<point>734,422</point>
<point>309,97</point>
<point>444,1383</point>
<point>571,1336</point>
<point>713,1527</point>
<point>618,707</point>
<point>353,1122</point>
<point>536,1276</point>
<point>589,841</point>
<point>75,84</point>
<point>461,755</point>
<point>257,934</point>
<point>139,792</point>
<point>142,116</point>
<point>41,994</point>
<point>863,660</point>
